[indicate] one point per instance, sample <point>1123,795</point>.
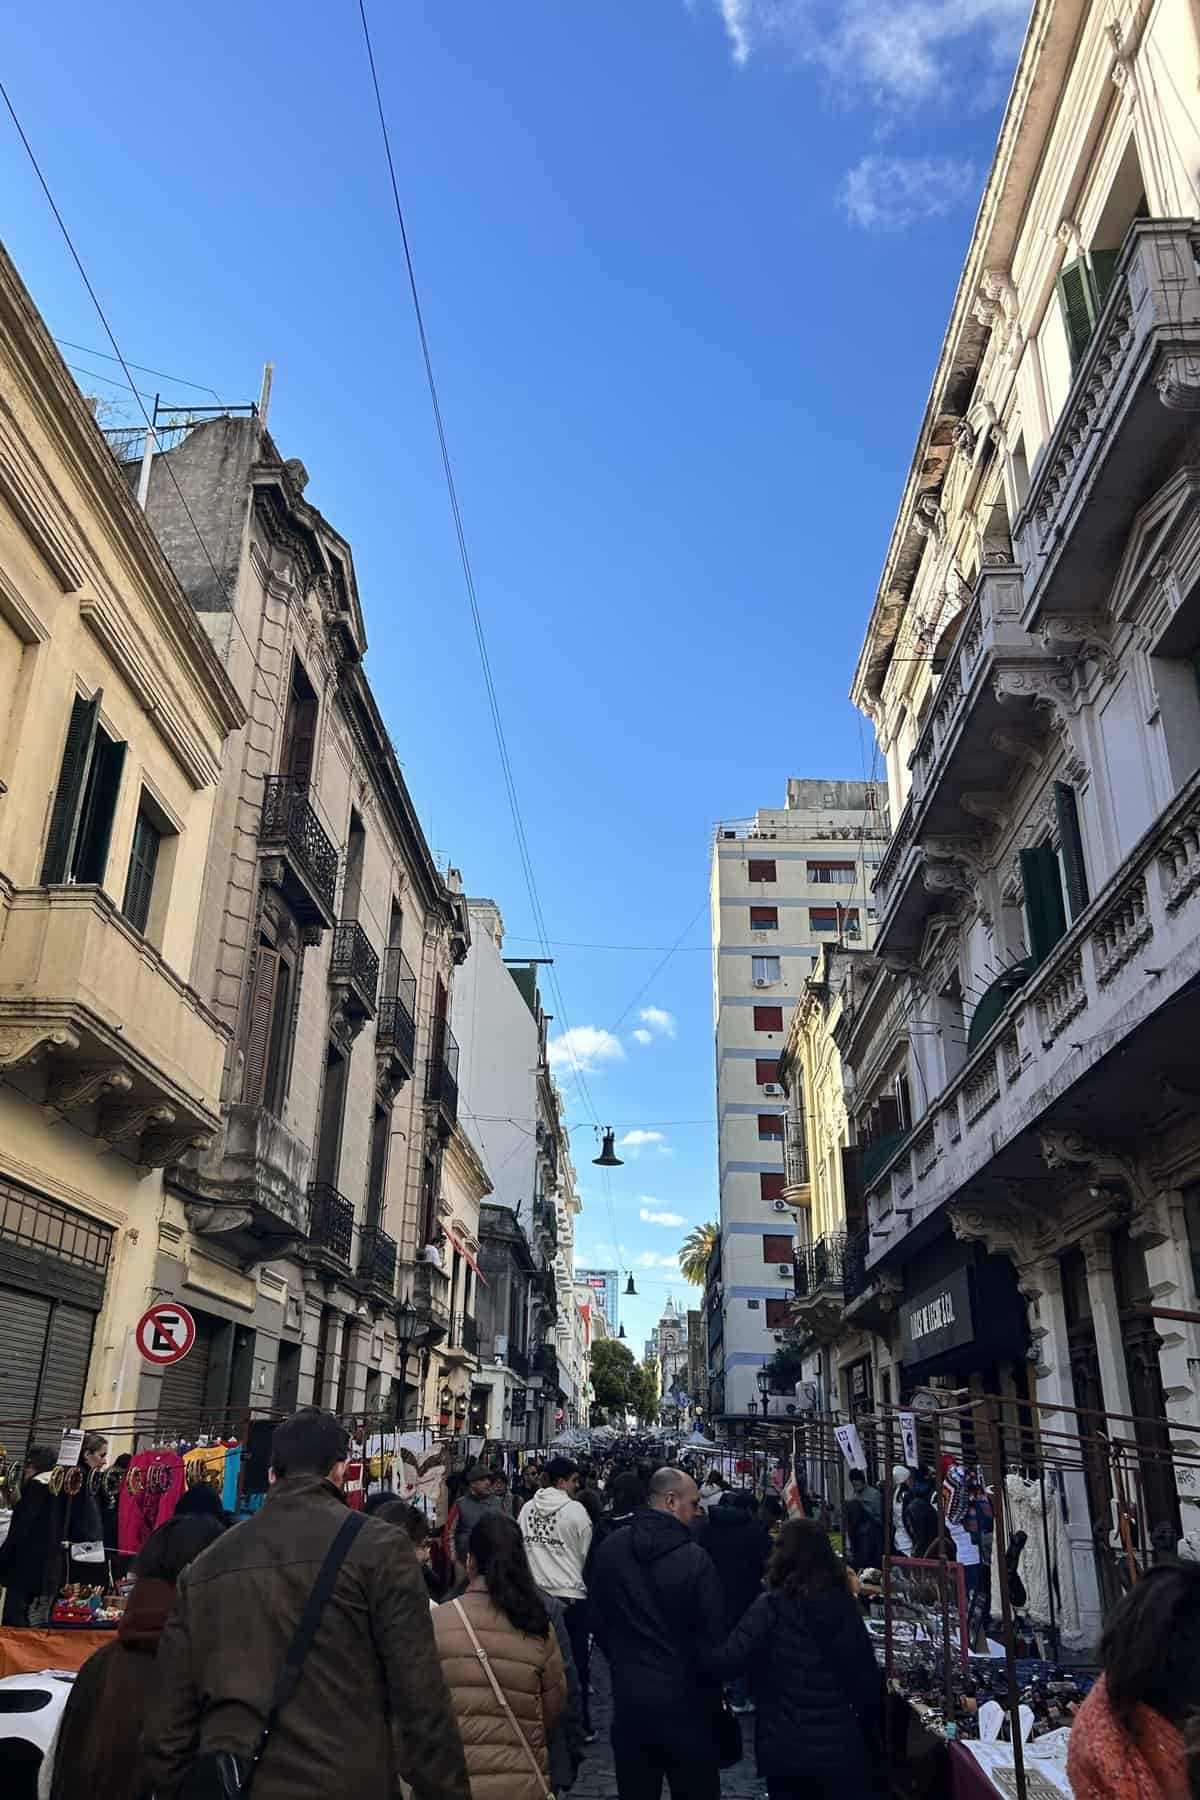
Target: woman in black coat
<point>817,1689</point>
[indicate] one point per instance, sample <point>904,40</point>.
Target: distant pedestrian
<point>864,1524</point>
<point>656,1613</point>
<point>500,1493</point>
<point>85,1517</point>
<point>817,1688</point>
<point>625,1494</point>
<point>739,1545</point>
<point>32,1564</point>
<point>713,1487</point>
<point>558,1533</point>
<point>503,1666</point>
<point>476,1499</point>
<point>371,1705</point>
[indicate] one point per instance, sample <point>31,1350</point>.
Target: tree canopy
<point>695,1251</point>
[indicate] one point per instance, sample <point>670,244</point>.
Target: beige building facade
<point>114,710</point>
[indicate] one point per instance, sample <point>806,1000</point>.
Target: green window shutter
<point>99,810</point>
<point>1066,806</point>
<point>258,1026</point>
<point>72,782</point>
<point>1076,296</point>
<point>139,884</point>
<point>1104,268</point>
<point>1043,901</point>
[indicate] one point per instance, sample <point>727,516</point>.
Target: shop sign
<point>850,1445</point>
<point>938,1319</point>
<point>908,1437</point>
<point>165,1333</point>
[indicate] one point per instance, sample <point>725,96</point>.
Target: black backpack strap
<point>288,1679</point>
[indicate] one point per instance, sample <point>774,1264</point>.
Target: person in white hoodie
<point>558,1534</point>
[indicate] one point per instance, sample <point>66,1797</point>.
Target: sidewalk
<point>596,1778</point>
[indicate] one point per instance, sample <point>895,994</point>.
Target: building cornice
<point>50,393</point>
<point>1032,104</point>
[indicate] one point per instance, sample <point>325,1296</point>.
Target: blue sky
<point>685,269</point>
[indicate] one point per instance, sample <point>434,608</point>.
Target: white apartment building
<point>1030,669</point>
<point>783,884</point>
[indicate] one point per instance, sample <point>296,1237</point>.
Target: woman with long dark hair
<point>98,1747</point>
<point>817,1689</point>
<point>503,1666</point>
<point>1135,1737</point>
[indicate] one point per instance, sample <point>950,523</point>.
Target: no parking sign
<point>165,1333</point>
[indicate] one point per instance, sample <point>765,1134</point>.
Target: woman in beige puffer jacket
<point>513,1628</point>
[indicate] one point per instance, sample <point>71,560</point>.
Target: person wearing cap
<point>476,1501</point>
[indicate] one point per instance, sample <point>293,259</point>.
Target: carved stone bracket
<point>23,1045</point>
<point>963,439</point>
<point>1082,638</point>
<point>72,1087</point>
<point>947,878</point>
<point>310,936</point>
<point>1177,383</point>
<point>120,1123</point>
<point>986,804</point>
<point>162,1148</point>
<point>1024,747</point>
<point>929,519</point>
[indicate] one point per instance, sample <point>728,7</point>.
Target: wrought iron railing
<point>820,1266</point>
<point>354,959</point>
<point>795,1153</point>
<point>518,1361</point>
<point>431,1292</point>
<point>545,1363</point>
<point>464,1333</point>
<point>545,1218</point>
<point>854,1266</point>
<point>377,1258</point>
<point>330,1220</point>
<point>396,1024</point>
<point>288,818</point>
<point>441,1084</point>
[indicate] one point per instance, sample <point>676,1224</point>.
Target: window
<point>1070,842</point>
<point>834,918</point>
<point>1082,290</point>
<point>764,970</point>
<point>85,800</point>
<point>762,868</point>
<point>300,731</point>
<point>352,901</point>
<point>143,861</point>
<point>779,1313</point>
<point>1044,913</point>
<point>764,918</point>
<point>777,1246</point>
<point>770,1125</point>
<point>768,1018</point>
<point>832,874</point>
<point>766,1068</point>
<point>770,1187</point>
<point>268,1030</point>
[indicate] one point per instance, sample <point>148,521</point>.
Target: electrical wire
<point>506,767</point>
<point>142,369</point>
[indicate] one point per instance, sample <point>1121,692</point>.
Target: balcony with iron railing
<point>377,1259</point>
<point>462,1342</point>
<point>820,1284</point>
<point>797,1188</point>
<point>428,1287</point>
<point>298,857</point>
<point>396,1019</point>
<point>517,1360</point>
<point>545,1364</point>
<point>441,1083</point>
<point>330,1221</point>
<point>545,1222</point>
<point>354,968</point>
<point>1134,947</point>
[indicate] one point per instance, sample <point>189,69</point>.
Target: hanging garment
<point>1024,1513</point>
<point>206,1463</point>
<point>149,1495</point>
<point>233,1470</point>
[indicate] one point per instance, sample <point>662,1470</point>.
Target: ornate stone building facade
<point>1028,1088</point>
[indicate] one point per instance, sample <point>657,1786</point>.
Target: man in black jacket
<point>656,1601</point>
<point>32,1562</point>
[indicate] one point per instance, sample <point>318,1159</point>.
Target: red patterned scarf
<point>1109,1761</point>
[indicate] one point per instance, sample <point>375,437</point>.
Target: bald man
<point>656,1603</point>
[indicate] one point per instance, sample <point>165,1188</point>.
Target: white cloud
<point>650,1216</point>
<point>900,49</point>
<point>886,193</point>
<point>654,1259</point>
<point>637,1140</point>
<point>582,1049</point>
<point>643,1037</point>
<point>657,1022</point>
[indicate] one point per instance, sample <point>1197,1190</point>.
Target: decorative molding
<point>159,1149</point>
<point>986,804</point>
<point>947,878</point>
<point>120,1123</point>
<point>108,624</point>
<point>43,531</point>
<point>23,1045</point>
<point>70,1088</point>
<point>1085,638</point>
<point>964,440</point>
<point>929,519</point>
<point>1175,379</point>
<point>1022,746</point>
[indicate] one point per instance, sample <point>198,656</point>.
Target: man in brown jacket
<point>372,1704</point>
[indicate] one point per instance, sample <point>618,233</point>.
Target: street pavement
<point>596,1778</point>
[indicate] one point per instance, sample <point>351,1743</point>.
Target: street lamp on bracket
<point>407,1327</point>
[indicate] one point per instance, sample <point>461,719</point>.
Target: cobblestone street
<point>597,1780</point>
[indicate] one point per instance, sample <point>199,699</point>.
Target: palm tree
<point>695,1251</point>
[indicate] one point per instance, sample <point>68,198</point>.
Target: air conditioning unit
<point>771,1087</point>
<point>785,1270</point>
<point>779,1205</point>
<point>761,981</point>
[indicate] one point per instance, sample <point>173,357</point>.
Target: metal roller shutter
<point>64,1373</point>
<point>23,1322</point>
<point>184,1385</point>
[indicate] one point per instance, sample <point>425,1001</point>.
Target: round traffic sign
<point>165,1333</point>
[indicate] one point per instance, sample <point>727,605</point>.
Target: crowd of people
<point>314,1650</point>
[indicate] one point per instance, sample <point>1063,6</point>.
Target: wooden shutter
<point>768,1018</point>
<point>1043,901</point>
<point>1076,296</point>
<point>139,884</point>
<point>258,1026</point>
<point>777,1248</point>
<point>95,831</point>
<point>766,1068</point>
<point>301,738</point>
<point>770,1125</point>
<point>888,1108</point>
<point>762,918</point>
<point>762,868</point>
<point>779,1314</point>
<point>72,783</point>
<point>852,1191</point>
<point>770,1187</point>
<point>1066,806</point>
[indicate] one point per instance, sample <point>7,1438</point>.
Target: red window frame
<point>766,1068</point>
<point>776,1247</point>
<point>768,1018</point>
<point>770,1187</point>
<point>762,868</point>
<point>770,1126</point>
<point>779,1313</point>
<point>764,918</point>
